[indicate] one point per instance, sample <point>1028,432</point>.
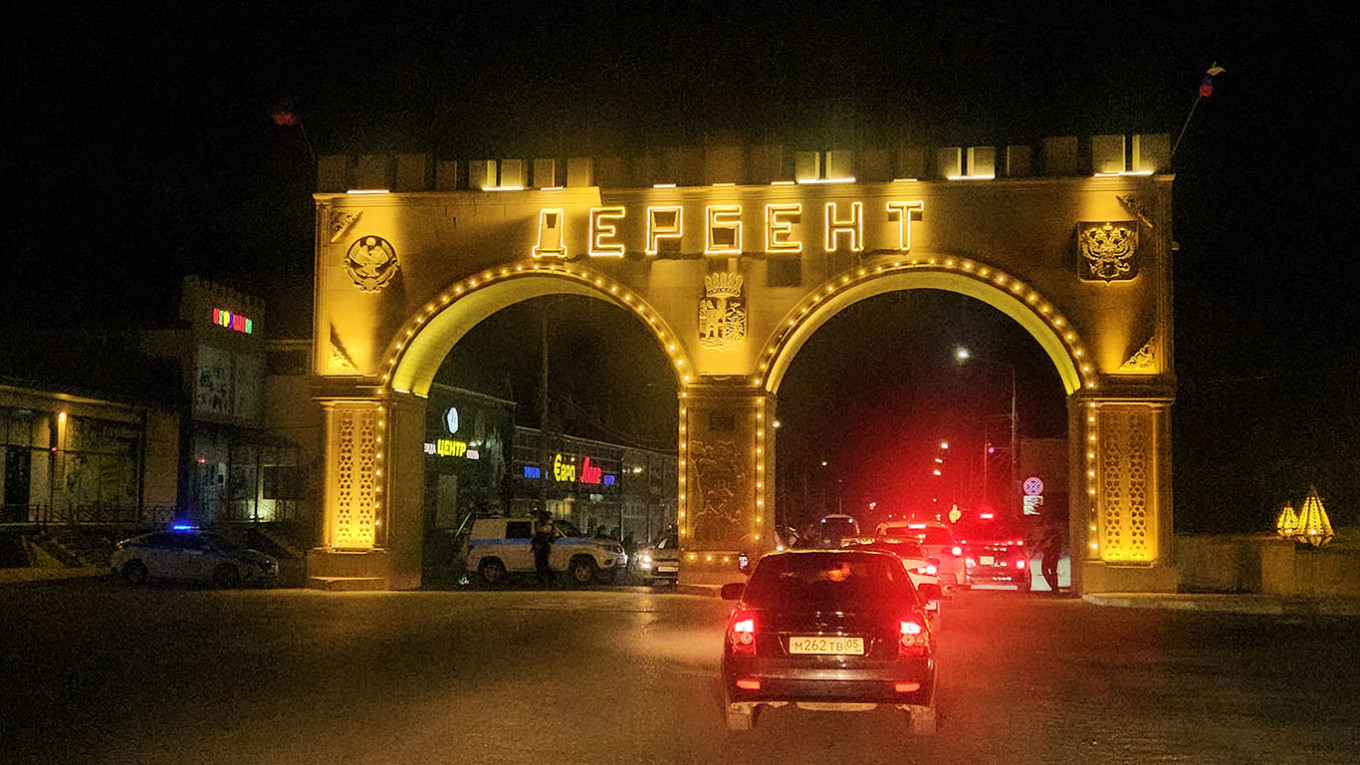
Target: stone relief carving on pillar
<point>341,220</point>
<point>1144,361</point>
<point>1137,207</point>
<point>722,312</point>
<point>1108,251</point>
<point>371,262</point>
<point>717,515</point>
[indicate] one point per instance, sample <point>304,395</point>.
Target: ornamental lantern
<point>1314,529</point>
<point>1287,523</point>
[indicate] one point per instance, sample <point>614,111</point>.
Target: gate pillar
<point>726,479</point>
<point>1120,530</point>
<point>373,491</point>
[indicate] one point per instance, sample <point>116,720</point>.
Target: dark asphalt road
<point>98,672</point>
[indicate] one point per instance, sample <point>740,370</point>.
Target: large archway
<point>733,258</point>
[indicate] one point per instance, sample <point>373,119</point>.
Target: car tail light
<point>957,551</point>
<point>928,569</point>
<point>915,640</point>
<point>741,635</point>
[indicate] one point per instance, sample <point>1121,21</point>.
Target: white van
<point>498,547</point>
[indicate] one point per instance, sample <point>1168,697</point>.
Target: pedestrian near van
<point>542,543</point>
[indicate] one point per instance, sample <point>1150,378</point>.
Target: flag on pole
<point>285,116</point>
<point>1206,85</point>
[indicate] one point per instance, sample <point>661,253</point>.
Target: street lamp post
<point>962,355</point>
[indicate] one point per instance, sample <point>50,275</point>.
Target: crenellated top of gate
<point>732,253</point>
<point>691,166</point>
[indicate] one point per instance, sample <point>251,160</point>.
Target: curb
<point>702,590</point>
<point>1261,605</point>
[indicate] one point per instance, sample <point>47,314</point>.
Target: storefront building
<point>232,470</point>
<point>84,459</point>
<point>619,490</point>
<point>467,447</point>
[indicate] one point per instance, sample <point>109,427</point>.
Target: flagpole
<point>1206,87</point>
<point>308,140</point>
<point>1177,144</point>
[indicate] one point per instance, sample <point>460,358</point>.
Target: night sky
<point>139,148</point>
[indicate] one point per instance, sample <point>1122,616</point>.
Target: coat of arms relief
<point>722,312</point>
<point>1108,251</point>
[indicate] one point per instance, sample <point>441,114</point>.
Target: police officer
<point>542,543</point>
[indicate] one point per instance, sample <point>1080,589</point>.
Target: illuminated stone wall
<point>733,257</point>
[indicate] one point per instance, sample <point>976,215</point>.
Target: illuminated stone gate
<point>733,257</point>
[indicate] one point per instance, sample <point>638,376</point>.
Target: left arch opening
<point>416,355</point>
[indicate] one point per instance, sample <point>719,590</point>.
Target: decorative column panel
<point>354,501</point>
<point>1124,522</point>
<point>725,452</point>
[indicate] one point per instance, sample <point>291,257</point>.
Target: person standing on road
<point>542,543</point>
<point>1051,549</point>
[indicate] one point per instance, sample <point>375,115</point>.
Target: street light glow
<point>962,354</point>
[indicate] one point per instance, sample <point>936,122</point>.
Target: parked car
<point>659,562</point>
<point>828,629</point>
<point>188,554</point>
<point>498,547</point>
<point>938,542</point>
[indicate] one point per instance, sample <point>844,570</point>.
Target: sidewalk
<point>49,573</point>
<point>1272,605</point>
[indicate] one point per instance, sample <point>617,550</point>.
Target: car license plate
<point>667,569</point>
<point>834,646</point>
<point>986,560</point>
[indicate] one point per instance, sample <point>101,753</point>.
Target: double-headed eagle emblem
<point>1107,251</point>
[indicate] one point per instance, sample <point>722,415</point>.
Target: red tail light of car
<point>928,569</point>
<point>915,640</point>
<point>741,634</point>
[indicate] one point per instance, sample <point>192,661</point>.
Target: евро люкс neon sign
<point>233,321</point>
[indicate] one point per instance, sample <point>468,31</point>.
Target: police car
<point>499,547</point>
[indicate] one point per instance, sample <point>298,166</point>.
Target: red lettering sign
<point>590,473</point>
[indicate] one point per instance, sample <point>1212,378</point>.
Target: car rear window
<point>840,580</point>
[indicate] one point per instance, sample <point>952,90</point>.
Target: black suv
<point>828,629</point>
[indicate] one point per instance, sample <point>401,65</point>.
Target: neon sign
<point>447,447</point>
<point>233,321</point>
<point>565,472</point>
<point>590,473</point>
<point>782,229</point>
